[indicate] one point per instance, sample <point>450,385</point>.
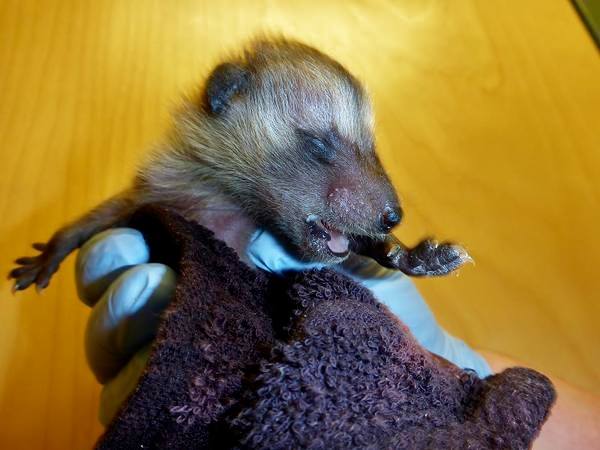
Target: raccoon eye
<point>321,149</point>
<point>317,147</point>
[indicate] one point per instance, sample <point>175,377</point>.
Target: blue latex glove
<point>127,295</point>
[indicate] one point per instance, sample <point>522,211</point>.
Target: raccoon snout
<point>358,207</point>
<point>389,218</point>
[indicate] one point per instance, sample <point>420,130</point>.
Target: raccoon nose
<point>390,217</point>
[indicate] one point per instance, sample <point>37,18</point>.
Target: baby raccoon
<point>280,137</point>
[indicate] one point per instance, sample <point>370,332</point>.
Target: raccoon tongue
<point>338,242</point>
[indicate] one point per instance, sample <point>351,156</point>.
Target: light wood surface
<point>488,120</point>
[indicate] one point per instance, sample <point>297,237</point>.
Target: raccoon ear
<point>224,83</point>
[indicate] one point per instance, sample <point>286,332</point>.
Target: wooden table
<point>488,120</point>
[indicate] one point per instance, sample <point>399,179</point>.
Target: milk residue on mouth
<point>337,242</point>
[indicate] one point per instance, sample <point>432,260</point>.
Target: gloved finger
<point>127,317</point>
<point>116,391</point>
<point>459,353</point>
<point>266,253</point>
<point>104,257</point>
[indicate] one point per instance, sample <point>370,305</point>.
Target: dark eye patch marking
<point>321,147</point>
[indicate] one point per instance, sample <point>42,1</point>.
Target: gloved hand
<point>127,295</point>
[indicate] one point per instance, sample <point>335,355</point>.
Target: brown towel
<point>247,360</point>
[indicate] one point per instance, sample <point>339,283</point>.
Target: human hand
<point>127,295</point>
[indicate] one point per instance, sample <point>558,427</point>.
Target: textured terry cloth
<point>390,287</point>
<point>246,360</point>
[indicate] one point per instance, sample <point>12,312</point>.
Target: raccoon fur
<point>280,136</point>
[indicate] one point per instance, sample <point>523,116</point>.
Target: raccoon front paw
<point>35,269</point>
<point>429,258</point>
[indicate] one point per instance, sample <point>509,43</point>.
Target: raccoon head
<point>295,148</point>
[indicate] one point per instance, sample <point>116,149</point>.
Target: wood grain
<point>488,121</point>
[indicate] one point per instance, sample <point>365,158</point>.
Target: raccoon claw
<point>429,258</point>
<point>33,270</point>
